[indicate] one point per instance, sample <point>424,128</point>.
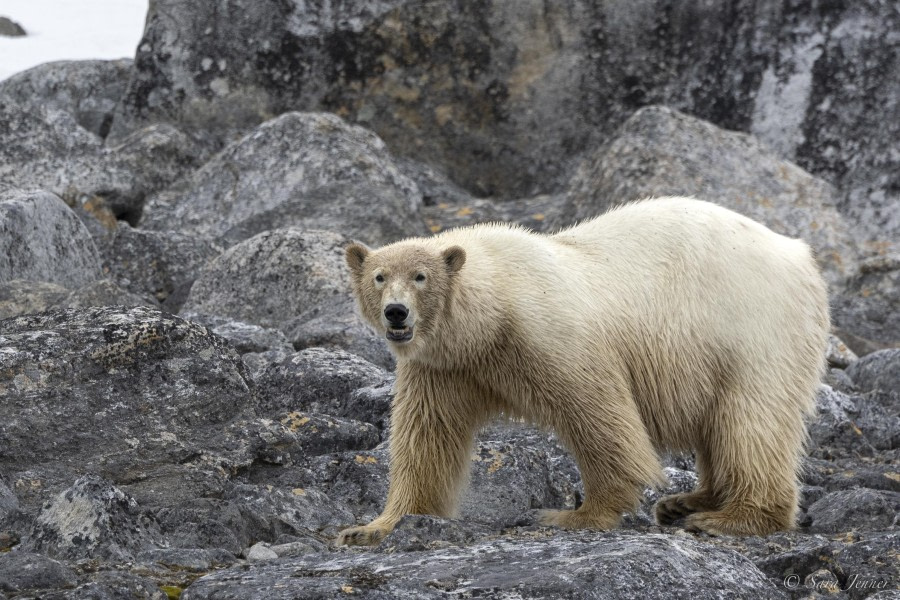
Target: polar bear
<point>666,324</point>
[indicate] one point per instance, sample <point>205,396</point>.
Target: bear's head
<point>403,289</point>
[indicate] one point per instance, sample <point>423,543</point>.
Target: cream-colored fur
<point>667,324</point>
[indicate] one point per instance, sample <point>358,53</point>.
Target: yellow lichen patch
<point>298,492</point>
<point>856,429</point>
<point>465,211</point>
<point>366,459</point>
<point>893,476</point>
<point>173,592</point>
<point>443,114</point>
<point>538,216</point>
<point>435,228</point>
<point>294,421</point>
<point>347,589</point>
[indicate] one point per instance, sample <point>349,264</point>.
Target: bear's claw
<point>361,536</point>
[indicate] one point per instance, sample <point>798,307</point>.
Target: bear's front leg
<point>434,417</point>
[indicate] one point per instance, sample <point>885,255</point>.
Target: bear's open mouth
<point>399,334</point>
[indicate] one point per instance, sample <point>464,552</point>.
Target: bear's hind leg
<point>676,506</point>
<point>616,460</point>
<point>755,456</point>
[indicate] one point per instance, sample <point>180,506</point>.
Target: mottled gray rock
<point>569,565</point>
<point>93,519</point>
<point>150,159</point>
<point>337,325</point>
<point>505,97</point>
<point>160,389</point>
<point>537,214</point>
<point>261,551</point>
<point>855,510</point>
<point>9,503</point>
<point>198,560</point>
<point>87,89</point>
<point>273,277</point>
<point>841,474</point>
<point>301,169</point>
<point>10,28</point>
<point>662,152</point>
<point>322,434</point>
<point>111,585</point>
<point>156,263</point>
<point>854,425</point>
<point>42,148</point>
<point>867,313</point>
<point>42,240</point>
<point>877,371</point>
<point>321,381</point>
<point>21,297</point>
<point>244,337</point>
<point>838,354</point>
<point>25,571</point>
<point>103,292</point>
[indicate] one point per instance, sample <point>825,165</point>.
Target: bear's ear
<point>355,255</point>
<point>454,257</point>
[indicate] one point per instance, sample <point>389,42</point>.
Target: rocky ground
<point>189,405</point>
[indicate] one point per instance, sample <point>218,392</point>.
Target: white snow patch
<point>70,30</point>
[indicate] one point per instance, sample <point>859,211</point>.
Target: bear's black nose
<point>396,313</point>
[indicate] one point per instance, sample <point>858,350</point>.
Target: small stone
<point>260,552</point>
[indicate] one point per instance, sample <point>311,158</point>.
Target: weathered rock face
<point>661,152</point>
<point>504,95</point>
<point>867,313</point>
<point>273,277</point>
<point>157,264</point>
<point>619,565</point>
<point>157,386</point>
<point>92,519</point>
<point>42,240</point>
<point>311,170</point>
<point>86,89</point>
<point>46,149</point>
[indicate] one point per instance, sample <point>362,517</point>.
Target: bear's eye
<point>420,277</point>
<point>379,278</point>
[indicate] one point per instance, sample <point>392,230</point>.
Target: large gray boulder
<point>136,395</point>
<point>300,169</point>
<point>89,90</point>
<point>47,149</point>
<point>662,152</point>
<point>41,239</point>
<point>506,95</point>
<point>290,279</point>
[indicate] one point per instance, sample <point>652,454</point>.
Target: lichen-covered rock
<point>103,292</point>
<point>155,263</point>
<point>160,389</point>
<point>309,170</point>
<point>42,148</point>
<point>505,97</point>
<point>87,89</point>
<point>838,354</point>
<point>22,572</point>
<point>855,510</point>
<point>662,152</point>
<point>272,277</point>
<point>877,371</point>
<point>337,325</point>
<point>41,239</point>
<point>93,519</point>
<point>112,585</point>
<point>321,381</point>
<point>244,337</point>
<point>21,297</point>
<point>867,312</point>
<point>569,565</point>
